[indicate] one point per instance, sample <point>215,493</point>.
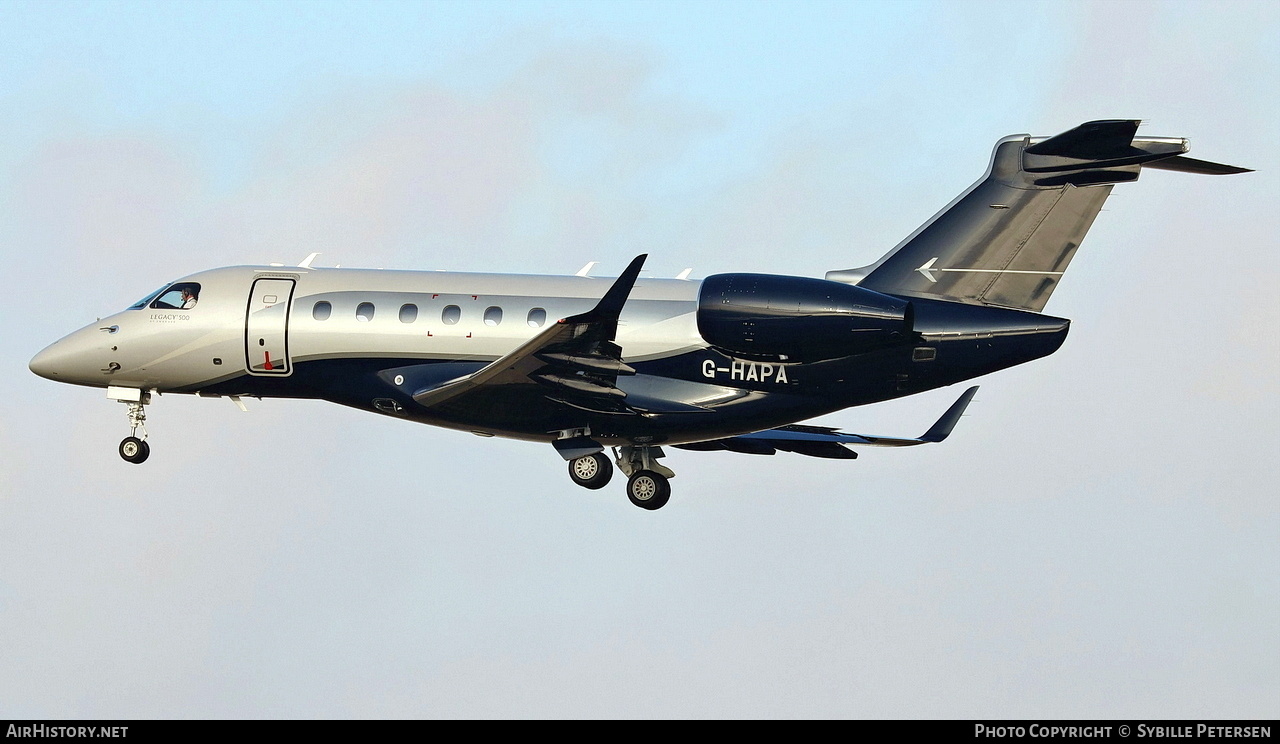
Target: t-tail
<point>1007,241</point>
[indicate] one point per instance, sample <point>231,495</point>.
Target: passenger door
<point>266,329</point>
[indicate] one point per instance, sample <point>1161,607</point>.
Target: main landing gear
<point>591,471</point>
<point>648,485</point>
<point>648,489</point>
<point>133,448</point>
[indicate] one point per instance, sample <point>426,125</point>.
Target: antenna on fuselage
<point>586,270</point>
<point>306,262</point>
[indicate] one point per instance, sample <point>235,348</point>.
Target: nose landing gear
<point>133,448</point>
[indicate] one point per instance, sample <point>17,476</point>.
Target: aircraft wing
<point>821,441</point>
<point>575,358</point>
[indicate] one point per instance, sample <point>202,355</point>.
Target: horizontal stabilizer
<point>1106,139</point>
<point>1184,164</point>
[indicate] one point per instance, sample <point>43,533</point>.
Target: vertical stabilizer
<point>1008,240</point>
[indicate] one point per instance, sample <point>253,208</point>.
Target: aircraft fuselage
<point>371,338</point>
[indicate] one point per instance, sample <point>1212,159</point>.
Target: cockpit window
<point>147,300</point>
<point>180,296</point>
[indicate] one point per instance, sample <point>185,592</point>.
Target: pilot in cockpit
<point>188,298</point>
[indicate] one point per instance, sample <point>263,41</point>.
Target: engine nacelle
<point>766,317</point>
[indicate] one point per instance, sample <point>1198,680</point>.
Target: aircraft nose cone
<point>76,359</point>
<point>49,362</point>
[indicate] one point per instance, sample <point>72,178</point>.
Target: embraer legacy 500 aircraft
<point>728,363</point>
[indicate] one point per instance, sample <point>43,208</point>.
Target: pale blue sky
<point>1098,538</point>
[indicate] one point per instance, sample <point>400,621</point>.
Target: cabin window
<point>493,316</point>
<point>322,310</point>
<point>451,314</point>
<point>537,317</point>
<point>408,313</point>
<point>181,296</point>
<point>364,312</point>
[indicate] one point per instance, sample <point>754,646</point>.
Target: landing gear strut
<point>133,448</point>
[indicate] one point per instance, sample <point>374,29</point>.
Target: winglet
<point>610,306</point>
<point>942,429</point>
<point>586,337</point>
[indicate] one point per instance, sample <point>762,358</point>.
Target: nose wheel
<point>134,448</point>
